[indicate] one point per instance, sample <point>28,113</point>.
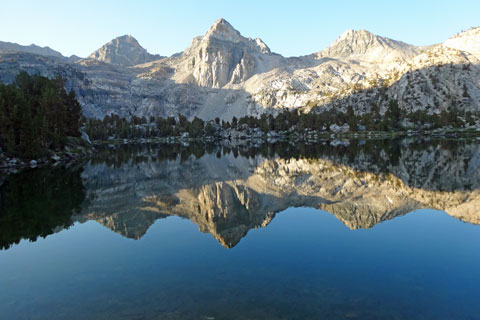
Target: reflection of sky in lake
<point>304,264</point>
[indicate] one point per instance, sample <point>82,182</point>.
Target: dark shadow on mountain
<point>433,85</point>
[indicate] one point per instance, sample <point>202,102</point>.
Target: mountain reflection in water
<point>229,190</point>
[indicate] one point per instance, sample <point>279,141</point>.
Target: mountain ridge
<point>224,74</point>
<point>11,47</point>
<point>364,45</point>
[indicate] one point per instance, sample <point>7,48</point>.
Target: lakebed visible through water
<point>376,229</point>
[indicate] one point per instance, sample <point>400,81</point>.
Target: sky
<point>291,28</point>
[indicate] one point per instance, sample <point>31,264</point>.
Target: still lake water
<point>340,230</point>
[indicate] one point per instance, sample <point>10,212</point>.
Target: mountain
<point>9,47</point>
<point>467,41</point>
<point>123,51</point>
<point>34,49</point>
<point>224,74</point>
<point>366,46</point>
<point>222,56</point>
<point>433,80</point>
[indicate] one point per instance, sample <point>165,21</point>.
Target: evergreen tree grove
<point>36,114</point>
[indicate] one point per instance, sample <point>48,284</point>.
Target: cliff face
<point>222,56</point>
<point>225,74</point>
<point>229,196</point>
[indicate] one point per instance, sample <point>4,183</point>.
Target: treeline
<point>393,119</point>
<point>139,127</point>
<point>36,115</point>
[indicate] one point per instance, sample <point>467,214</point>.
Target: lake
<point>376,229</point>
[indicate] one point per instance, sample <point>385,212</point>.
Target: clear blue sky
<point>288,27</point>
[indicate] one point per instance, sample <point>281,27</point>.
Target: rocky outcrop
<point>466,41</point>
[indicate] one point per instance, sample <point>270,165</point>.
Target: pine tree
<point>36,114</point>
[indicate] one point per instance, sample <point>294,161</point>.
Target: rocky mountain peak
<point>124,51</point>
<point>262,46</point>
<point>127,38</point>
<point>223,30</point>
<point>351,34</point>
<point>366,46</point>
<point>222,57</point>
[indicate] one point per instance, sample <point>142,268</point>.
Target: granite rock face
<point>224,74</point>
<point>222,56</point>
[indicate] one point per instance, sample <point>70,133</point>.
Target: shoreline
<point>232,137</point>
<point>310,136</point>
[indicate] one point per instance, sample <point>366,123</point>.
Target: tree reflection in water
<point>37,202</point>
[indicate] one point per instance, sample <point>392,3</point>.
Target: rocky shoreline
<point>257,136</point>
<point>75,150</point>
<point>78,150</point>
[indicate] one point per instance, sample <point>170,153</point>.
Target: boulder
<point>85,137</point>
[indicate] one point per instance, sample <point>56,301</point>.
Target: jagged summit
<point>128,38</point>
<point>223,30</point>
<point>223,57</point>
<point>261,45</point>
<point>366,46</point>
<point>351,33</point>
<point>124,51</point>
